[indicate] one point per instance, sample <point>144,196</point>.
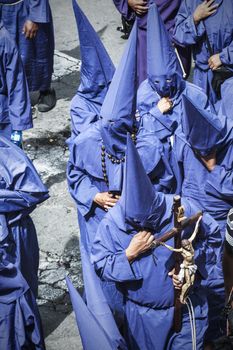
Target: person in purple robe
<point>97,156</point>
<point>30,24</point>
<point>88,185</point>
<point>159,99</point>
<point>123,252</point>
<point>207,27</point>
<point>205,160</point>
<point>96,74</point>
<point>168,10</point>
<point>15,107</point>
<point>21,190</point>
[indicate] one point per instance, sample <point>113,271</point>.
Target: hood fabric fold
<point>203,129</point>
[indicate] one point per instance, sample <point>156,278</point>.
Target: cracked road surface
<point>45,144</point>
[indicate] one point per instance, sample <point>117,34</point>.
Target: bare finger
<point>110,195</point>
<point>111,200</point>
<point>212,12</point>
<point>141,8</point>
<point>177,284</point>
<point>209,2</point>
<point>29,34</point>
<point>109,204</point>
<point>147,236</point>
<point>140,13</point>
<point>34,33</point>
<point>26,33</point>
<point>142,234</point>
<point>151,240</point>
<point>215,6</point>
<point>171,273</point>
<point>176,280</point>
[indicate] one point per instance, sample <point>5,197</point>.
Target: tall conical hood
<point>92,335</point>
<point>97,302</point>
<point>119,107</point>
<point>163,68</point>
<point>142,205</point>
<point>161,57</point>
<point>202,128</point>
<point>97,68</point>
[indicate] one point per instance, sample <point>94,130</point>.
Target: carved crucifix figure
<point>188,267</point>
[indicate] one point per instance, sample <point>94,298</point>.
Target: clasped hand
<point>106,200</point>
<point>165,105</point>
<point>138,6</point>
<point>175,279</point>
<point>30,29</point>
<point>215,61</point>
<point>139,244</point>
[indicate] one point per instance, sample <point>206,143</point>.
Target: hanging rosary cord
<point>113,159</point>
<point>103,162</point>
<point>192,322</point>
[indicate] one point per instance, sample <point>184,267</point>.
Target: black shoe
<point>47,100</point>
<point>34,97</point>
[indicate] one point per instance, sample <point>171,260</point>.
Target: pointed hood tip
<point>202,128</point>
<point>97,68</point>
<point>121,93</point>
<point>141,205</point>
<point>161,56</point>
<point>119,107</point>
<point>87,323</point>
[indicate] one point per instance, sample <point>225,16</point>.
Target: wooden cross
<point>180,223</point>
